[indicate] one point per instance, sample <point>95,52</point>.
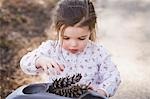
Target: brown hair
<point>74,12</point>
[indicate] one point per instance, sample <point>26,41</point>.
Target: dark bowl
<point>35,88</point>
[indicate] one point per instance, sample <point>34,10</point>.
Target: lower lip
<point>73,51</point>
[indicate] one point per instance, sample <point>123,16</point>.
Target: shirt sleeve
<point>109,76</point>
<point>27,62</point>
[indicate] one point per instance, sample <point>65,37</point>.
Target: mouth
<point>73,50</point>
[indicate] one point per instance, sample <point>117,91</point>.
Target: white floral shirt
<point>94,63</point>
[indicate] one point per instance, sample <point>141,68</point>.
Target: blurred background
<point>123,28</point>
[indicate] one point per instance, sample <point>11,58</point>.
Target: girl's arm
<point>109,76</point>
<point>28,61</point>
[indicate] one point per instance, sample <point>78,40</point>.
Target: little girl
<point>74,50</point>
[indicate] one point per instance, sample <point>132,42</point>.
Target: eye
<point>81,38</point>
<point>66,38</point>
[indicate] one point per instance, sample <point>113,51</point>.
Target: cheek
<point>82,44</point>
<point>65,44</point>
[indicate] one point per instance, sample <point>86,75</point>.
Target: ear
<point>92,35</point>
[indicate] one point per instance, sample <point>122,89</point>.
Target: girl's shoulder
<point>49,43</point>
<point>99,48</point>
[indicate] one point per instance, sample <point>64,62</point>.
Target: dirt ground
<point>123,27</point>
<point>22,28</point>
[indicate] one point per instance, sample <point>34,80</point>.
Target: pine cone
<point>67,87</point>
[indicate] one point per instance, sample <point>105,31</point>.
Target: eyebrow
<point>80,36</point>
<point>84,36</point>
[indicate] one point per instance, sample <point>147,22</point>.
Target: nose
<point>73,43</point>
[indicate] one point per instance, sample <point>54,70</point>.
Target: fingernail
<point>53,66</point>
<point>47,67</point>
<point>61,69</point>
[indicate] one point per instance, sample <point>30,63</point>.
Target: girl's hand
<point>100,91</point>
<point>49,65</point>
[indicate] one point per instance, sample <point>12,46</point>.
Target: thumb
<point>62,67</point>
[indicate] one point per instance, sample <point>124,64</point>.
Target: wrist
<point>102,92</point>
<point>37,62</point>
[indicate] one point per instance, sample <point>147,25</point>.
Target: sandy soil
<point>123,28</point>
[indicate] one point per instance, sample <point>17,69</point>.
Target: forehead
<point>76,31</point>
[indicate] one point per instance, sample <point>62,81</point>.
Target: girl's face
<point>75,38</point>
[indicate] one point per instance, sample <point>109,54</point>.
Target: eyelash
<point>81,38</point>
<point>66,38</point>
<point>78,38</point>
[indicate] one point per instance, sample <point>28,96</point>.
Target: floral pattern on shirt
<point>94,63</point>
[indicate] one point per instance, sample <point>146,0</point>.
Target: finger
<point>51,71</point>
<point>56,66</point>
<point>40,70</point>
<point>61,67</point>
<point>45,67</point>
<point>91,86</point>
